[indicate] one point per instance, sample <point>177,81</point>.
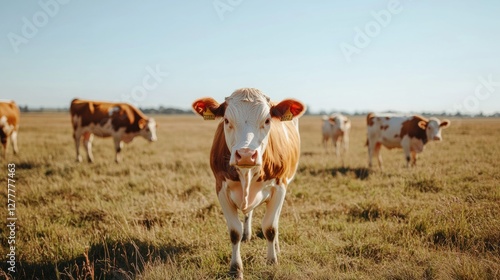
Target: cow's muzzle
<point>437,138</point>
<point>245,157</point>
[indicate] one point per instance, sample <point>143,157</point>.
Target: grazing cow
<point>9,124</point>
<point>395,131</point>
<point>121,121</point>
<point>336,127</point>
<point>254,156</point>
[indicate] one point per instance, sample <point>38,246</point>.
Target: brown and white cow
<point>121,121</point>
<point>396,131</point>
<point>336,127</point>
<point>9,124</point>
<point>254,156</point>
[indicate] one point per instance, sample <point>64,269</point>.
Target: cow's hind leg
<point>87,143</point>
<point>13,139</point>
<point>235,233</point>
<point>247,227</point>
<point>4,144</point>
<point>270,223</point>
<point>118,148</point>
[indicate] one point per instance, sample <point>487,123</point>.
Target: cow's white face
<point>247,122</point>
<point>433,128</point>
<point>338,123</point>
<point>148,129</point>
<point>247,118</point>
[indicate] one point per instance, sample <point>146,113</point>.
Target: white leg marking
<point>270,223</point>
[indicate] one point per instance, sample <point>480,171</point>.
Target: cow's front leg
<point>336,144</point>
<point>77,136</point>
<point>235,232</point>
<point>87,143</point>
<point>270,223</point>
<point>413,158</point>
<point>118,149</point>
<point>405,144</point>
<point>247,227</point>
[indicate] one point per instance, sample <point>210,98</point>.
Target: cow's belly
<point>100,131</point>
<point>390,138</point>
<point>259,193</point>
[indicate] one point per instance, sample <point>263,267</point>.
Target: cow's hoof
<point>236,271</point>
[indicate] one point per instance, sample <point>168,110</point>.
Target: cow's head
<point>338,122</point>
<point>248,115</point>
<point>148,129</point>
<point>433,128</point>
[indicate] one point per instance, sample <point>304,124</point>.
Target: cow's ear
<point>445,123</point>
<point>288,109</point>
<point>422,124</point>
<point>142,123</point>
<point>208,108</point>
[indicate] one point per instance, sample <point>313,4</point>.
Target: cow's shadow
<point>361,173</point>
<point>106,260</point>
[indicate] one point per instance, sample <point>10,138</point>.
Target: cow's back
<point>11,112</point>
<point>386,129</point>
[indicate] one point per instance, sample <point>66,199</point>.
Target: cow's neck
<point>246,176</point>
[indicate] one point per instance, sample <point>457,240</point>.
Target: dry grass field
<point>156,216</point>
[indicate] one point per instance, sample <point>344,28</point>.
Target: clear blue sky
<point>429,56</point>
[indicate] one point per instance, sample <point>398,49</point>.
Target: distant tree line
<point>176,111</point>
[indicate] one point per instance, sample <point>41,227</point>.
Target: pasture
<point>156,216</point>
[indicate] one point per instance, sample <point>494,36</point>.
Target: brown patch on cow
<point>369,119</point>
<point>12,113</point>
<point>99,113</point>
<point>387,118</point>
<point>279,159</point>
<point>270,234</point>
<point>413,130</point>
<point>384,127</point>
<point>235,237</point>
<point>396,135</point>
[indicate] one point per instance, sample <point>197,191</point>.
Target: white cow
<point>337,127</point>
<point>397,131</point>
<point>254,156</point>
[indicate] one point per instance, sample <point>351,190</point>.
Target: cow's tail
<point>369,118</point>
<point>369,122</point>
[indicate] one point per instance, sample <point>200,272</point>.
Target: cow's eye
<point>226,121</point>
<point>268,121</point>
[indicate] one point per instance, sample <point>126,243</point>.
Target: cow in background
<point>336,127</point>
<point>9,124</point>
<point>396,131</point>
<point>121,121</point>
<point>254,157</point>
